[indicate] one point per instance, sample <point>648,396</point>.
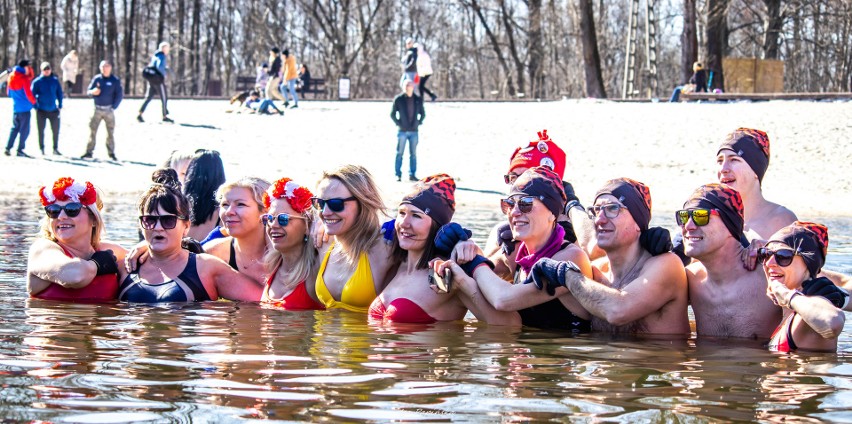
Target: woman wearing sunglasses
<point>171,273</point>
<point>792,259</point>
<point>532,208</point>
<point>240,208</point>
<point>69,261</point>
<point>355,262</point>
<point>291,263</point>
<point>407,297</point>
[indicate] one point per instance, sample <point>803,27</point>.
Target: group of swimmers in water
<point>747,267</point>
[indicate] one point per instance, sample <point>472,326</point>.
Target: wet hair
<point>164,193</point>
<point>301,270</point>
<point>365,231</point>
<point>399,254</point>
<point>203,177</point>
<point>94,210</point>
<point>256,185</point>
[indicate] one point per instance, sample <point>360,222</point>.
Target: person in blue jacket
<point>19,90</point>
<point>105,89</point>
<point>48,93</point>
<point>158,87</point>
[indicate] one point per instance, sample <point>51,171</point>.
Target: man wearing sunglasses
<point>727,299</point>
<point>632,291</point>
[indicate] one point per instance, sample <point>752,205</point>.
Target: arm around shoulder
<point>229,283</point>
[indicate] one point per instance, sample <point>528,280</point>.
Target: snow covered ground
<point>670,147</point>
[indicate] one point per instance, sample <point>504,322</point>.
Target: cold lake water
<point>229,362</point>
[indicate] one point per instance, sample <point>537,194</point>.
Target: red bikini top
<point>103,288</point>
<point>400,310</point>
<point>298,299</point>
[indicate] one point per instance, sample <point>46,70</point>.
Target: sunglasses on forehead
<point>168,222</point>
<point>71,210</point>
<point>700,217</point>
<point>525,204</point>
<point>783,257</point>
<point>335,205</point>
<point>282,218</point>
<point>510,178</point>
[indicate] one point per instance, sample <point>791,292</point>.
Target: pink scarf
<point>526,260</point>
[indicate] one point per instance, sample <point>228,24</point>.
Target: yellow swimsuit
<point>358,293</point>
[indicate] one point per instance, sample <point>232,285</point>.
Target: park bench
<point>245,83</point>
<point>316,86</point>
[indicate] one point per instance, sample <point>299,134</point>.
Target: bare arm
<point>48,264</point>
<point>229,283</point>
<point>817,312</point>
<point>655,286</point>
<point>474,301</point>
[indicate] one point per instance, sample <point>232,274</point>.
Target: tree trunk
<point>161,21</point>
<point>773,27</point>
<point>112,34</point>
<point>495,45</point>
<point>195,60</point>
<point>536,50</point>
<point>689,40</point>
<point>591,56</point>
<point>129,26</point>
<point>513,50</point>
<point>178,73</point>
<point>717,40</point>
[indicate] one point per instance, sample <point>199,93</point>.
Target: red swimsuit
<point>400,310</point>
<point>298,299</point>
<point>103,288</point>
<point>782,337</point>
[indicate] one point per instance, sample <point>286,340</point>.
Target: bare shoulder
<point>220,247</point>
<point>206,261</point>
<point>781,216</point>
<point>695,272</point>
<point>118,250</point>
<point>42,244</point>
<point>666,266</point>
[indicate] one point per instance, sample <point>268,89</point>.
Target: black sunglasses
<point>71,210</point>
<point>282,218</point>
<point>783,257</point>
<point>610,210</point>
<point>335,205</point>
<point>700,217</point>
<point>510,178</point>
<point>525,204</point>
<point>166,221</point>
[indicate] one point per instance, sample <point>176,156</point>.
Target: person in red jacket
<point>22,103</point>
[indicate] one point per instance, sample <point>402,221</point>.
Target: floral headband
<point>65,189</point>
<point>297,196</point>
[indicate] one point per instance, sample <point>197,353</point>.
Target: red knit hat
<point>540,152</point>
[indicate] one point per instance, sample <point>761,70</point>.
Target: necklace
<point>628,273</point>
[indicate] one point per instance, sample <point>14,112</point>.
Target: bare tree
<point>591,56</point>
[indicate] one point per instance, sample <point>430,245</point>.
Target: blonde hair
<point>256,185</point>
<point>365,231</point>
<point>301,270</point>
<point>177,157</point>
<point>98,230</point>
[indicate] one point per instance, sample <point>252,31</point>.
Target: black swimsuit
<point>187,287</point>
<point>232,260</point>
<point>552,315</point>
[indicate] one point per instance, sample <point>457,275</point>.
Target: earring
<point>306,238</point>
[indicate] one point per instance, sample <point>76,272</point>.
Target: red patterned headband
<point>65,189</point>
<point>297,196</point>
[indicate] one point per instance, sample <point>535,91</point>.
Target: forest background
<point>481,49</point>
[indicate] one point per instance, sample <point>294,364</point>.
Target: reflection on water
<point>222,361</point>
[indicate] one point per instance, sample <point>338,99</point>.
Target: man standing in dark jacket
<point>48,93</point>
<point>105,88</point>
<point>407,114</point>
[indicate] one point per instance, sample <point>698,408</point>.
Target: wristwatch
<point>572,204</point>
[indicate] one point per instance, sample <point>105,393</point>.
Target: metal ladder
<point>628,90</point>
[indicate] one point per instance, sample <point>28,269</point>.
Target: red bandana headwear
<point>297,196</point>
<point>435,196</point>
<point>540,152</point>
<point>66,189</point>
<point>635,196</point>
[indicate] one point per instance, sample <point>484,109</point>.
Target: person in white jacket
<point>69,66</point>
<point>424,70</point>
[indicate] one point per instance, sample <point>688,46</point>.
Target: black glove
<point>569,192</point>
<point>677,249</point>
<point>106,262</point>
<point>469,267</point>
<point>549,274</point>
<point>447,237</point>
<point>656,240</point>
<point>192,245</point>
<point>822,286</point>
<point>388,230</point>
<point>505,238</point>
<point>570,236</point>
